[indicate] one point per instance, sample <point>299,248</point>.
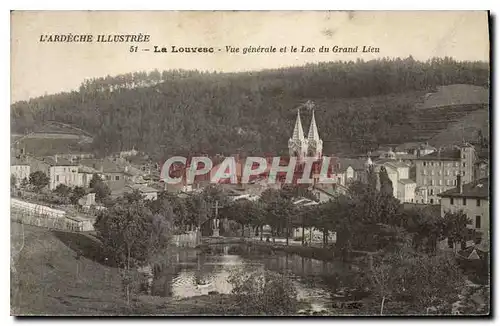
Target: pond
<point>194,272</point>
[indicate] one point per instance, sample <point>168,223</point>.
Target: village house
<point>20,168</point>
<point>473,199</point>
<point>148,193</point>
<point>59,170</point>
<point>437,172</point>
<point>112,174</point>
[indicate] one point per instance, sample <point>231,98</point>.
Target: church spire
<point>298,132</point>
<point>313,129</point>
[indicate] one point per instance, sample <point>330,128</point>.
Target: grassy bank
<point>47,278</point>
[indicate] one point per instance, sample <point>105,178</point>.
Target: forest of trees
<point>179,112</point>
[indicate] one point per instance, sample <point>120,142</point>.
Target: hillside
<point>359,105</point>
<point>48,279</point>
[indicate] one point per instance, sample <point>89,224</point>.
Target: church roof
<point>313,129</point>
<point>298,131</point>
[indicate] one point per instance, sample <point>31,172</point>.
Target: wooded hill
<point>359,105</point>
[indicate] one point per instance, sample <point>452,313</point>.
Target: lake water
<point>193,272</point>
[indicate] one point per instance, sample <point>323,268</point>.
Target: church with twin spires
<point>299,146</point>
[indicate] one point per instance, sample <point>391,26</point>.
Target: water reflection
<point>192,273</point>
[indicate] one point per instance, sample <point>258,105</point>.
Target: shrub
<point>264,292</point>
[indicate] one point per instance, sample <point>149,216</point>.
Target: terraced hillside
<point>53,138</point>
<point>453,113</point>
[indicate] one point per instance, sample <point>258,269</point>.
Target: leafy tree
<point>133,236</point>
<point>101,189</point>
<point>24,182</point>
<point>422,281</point>
<point>244,212</point>
<point>39,180</point>
<point>456,227</point>
<point>264,293</point>
<point>386,186</point>
<point>76,194</point>
<point>278,211</point>
<point>166,200</point>
<point>198,210</point>
<point>62,190</point>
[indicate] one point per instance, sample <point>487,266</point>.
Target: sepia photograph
<point>250,163</point>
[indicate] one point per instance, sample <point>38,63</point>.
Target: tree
<point>76,194</point>
<point>133,236</point>
<point>455,225</point>
<point>198,210</point>
<point>278,210</point>
<point>264,292</point>
<point>13,180</point>
<point>245,212</point>
<point>423,281</point>
<point>62,190</point>
<point>102,191</point>
<point>39,180</point>
<point>386,186</point>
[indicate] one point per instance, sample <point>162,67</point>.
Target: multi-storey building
<point>59,170</point>
<point>473,199</point>
<point>437,172</point>
<point>20,168</point>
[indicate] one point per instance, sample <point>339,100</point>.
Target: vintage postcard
<point>240,163</point>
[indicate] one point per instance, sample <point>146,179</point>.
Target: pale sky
<point>38,68</point>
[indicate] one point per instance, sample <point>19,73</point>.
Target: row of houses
<point>78,170</point>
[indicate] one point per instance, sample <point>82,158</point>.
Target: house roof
<point>406,181</point>
<point>106,165</point>
<point>59,162</point>
<point>405,156</point>
<point>18,161</point>
<point>344,163</point>
<point>397,164</point>
<point>477,189</point>
<point>406,146</point>
<point>445,155</point>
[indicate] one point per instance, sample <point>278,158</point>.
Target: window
<point>451,201</point>
<point>447,172</point>
<point>432,201</point>
<point>432,192</point>
<point>117,177</point>
<point>439,172</point>
<point>424,163</point>
<point>478,222</point>
<point>440,182</point>
<point>57,178</point>
<point>463,172</point>
<point>464,201</point>
<point>432,182</point>
<point>463,164</point>
<point>478,202</point>
<point>454,182</point>
<point>432,163</point>
<point>432,172</point>
<point>456,164</point>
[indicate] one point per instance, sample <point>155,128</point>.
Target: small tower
<point>467,160</point>
<point>297,145</point>
<point>315,144</point>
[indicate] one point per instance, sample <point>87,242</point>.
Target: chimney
<point>459,183</point>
